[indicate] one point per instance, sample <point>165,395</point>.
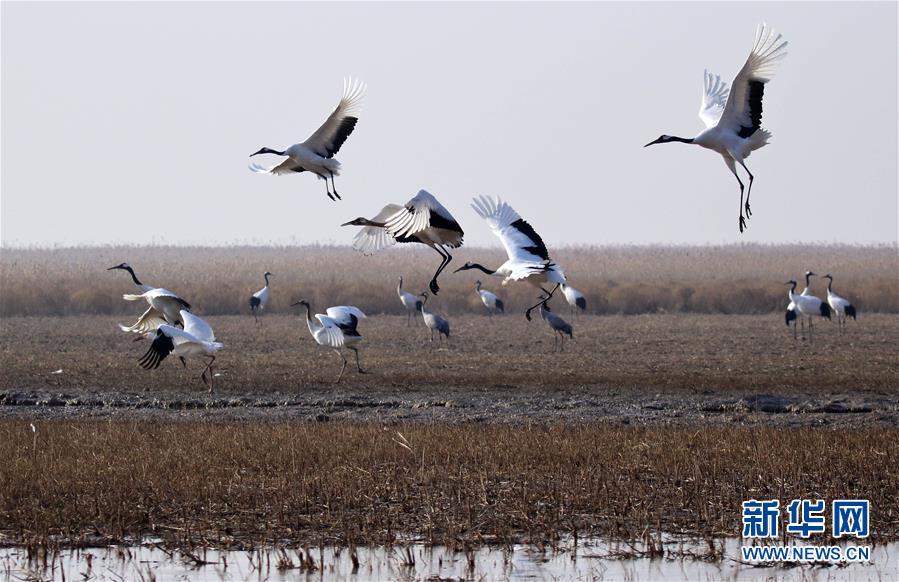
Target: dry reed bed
<point>221,484</point>
<point>723,279</point>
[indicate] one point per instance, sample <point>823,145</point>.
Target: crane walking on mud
<point>336,330</point>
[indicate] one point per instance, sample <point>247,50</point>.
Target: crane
<point>316,154</point>
<point>411,303</point>
<point>434,321</point>
<point>336,330</point>
<point>528,258</point>
<point>560,327</point>
<point>840,306</point>
<point>575,299</point>
<point>490,300</point>
<point>421,220</point>
<point>806,305</point>
<point>196,339</point>
<point>733,118</point>
<point>259,299</point>
<point>165,306</point>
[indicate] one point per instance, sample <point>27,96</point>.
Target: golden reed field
<point>744,279</point>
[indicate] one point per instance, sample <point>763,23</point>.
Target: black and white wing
<point>345,315</point>
<point>163,345</point>
<point>714,98</point>
<point>371,239</point>
<point>422,212</point>
<point>328,138</point>
<point>743,111</point>
<point>521,241</point>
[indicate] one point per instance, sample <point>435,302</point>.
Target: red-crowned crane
<point>195,340</point>
<point>840,306</point>
<point>316,154</point>
<point>259,299</point>
<point>528,258</point>
<point>336,330</point>
<point>421,220</point>
<point>733,118</point>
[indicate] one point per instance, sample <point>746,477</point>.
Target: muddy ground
<point>658,369</point>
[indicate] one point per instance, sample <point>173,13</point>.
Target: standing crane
<point>336,330</point>
<point>259,299</point>
<point>316,154</point>
<point>196,339</point>
<point>560,327</point>
<point>528,258</point>
<point>575,299</point>
<point>411,303</point>
<point>421,220</point>
<point>490,300</point>
<point>808,306</point>
<point>434,321</point>
<point>840,306</point>
<point>165,306</point>
<point>733,118</point>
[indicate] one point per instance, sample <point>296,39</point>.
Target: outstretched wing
<point>714,98</point>
<point>149,321</point>
<point>328,138</point>
<point>743,111</point>
<point>521,241</point>
<point>333,335</point>
<point>288,166</point>
<point>419,213</point>
<point>371,239</point>
<point>197,327</point>
<point>163,345</point>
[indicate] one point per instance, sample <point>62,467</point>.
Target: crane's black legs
<point>358,365</point>
<point>208,369</point>
<point>343,368</point>
<point>742,220</point>
<point>446,258</point>
<point>333,185</point>
<point>327,188</point>
<point>749,190</point>
<point>549,294</point>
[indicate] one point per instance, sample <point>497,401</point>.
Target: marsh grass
<point>244,484</point>
<point>745,279</point>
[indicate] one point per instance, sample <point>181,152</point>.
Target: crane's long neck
<point>399,287</point>
<point>792,290</point>
<point>134,277</point>
<point>830,285</point>
<point>807,279</point>
<point>310,323</point>
<point>477,286</point>
<point>266,279</point>
<point>483,268</point>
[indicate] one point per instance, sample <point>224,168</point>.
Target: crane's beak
<point>655,141</point>
<point>297,303</point>
<point>350,223</point>
<point>462,268</point>
<point>261,151</point>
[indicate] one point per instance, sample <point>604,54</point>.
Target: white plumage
<point>259,299</point>
<point>316,154</point>
<point>840,306</point>
<point>423,220</point>
<point>528,258</point>
<point>336,330</point>
<point>575,299</point>
<point>196,339</point>
<point>805,305</point>
<point>733,116</point>
<point>490,300</point>
<point>165,306</point>
<point>411,303</point>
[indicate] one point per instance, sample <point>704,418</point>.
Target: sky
<point>133,122</point>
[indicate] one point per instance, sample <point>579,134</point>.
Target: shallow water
<point>592,560</point>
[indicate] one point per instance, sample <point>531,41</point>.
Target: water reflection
<point>591,560</point>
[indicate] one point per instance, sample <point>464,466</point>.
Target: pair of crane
<point>732,117</point>
<point>805,306</point>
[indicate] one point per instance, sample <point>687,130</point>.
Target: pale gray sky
<point>132,123</point>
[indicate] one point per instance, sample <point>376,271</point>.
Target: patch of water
<point>590,560</point>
